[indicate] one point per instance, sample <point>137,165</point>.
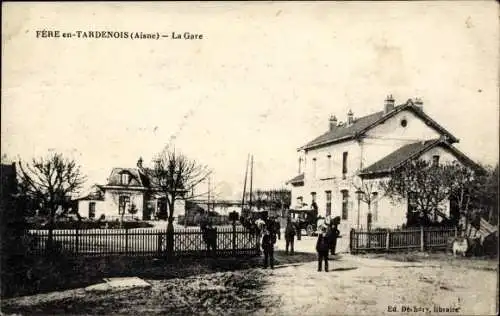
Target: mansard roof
<point>363,124</point>
<point>137,178</point>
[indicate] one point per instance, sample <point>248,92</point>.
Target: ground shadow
<point>343,269</point>
<point>45,274</point>
<point>63,273</point>
<point>281,257</point>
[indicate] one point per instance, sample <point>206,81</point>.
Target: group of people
<point>270,231</point>
<point>325,244</point>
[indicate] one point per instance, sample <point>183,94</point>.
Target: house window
<point>435,160</point>
<point>328,203</point>
<point>313,197</point>
<point>345,203</point>
<point>314,168</point>
<point>374,206</point>
<point>92,210</point>
<point>123,203</point>
<point>404,122</point>
<point>344,164</point>
<point>124,178</point>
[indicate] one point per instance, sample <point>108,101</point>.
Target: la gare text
<point>118,35</point>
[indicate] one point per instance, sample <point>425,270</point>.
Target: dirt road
<point>373,287</point>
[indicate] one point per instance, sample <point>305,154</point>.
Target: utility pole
<point>245,185</point>
<point>251,182</point>
<point>208,200</point>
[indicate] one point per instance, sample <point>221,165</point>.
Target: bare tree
<point>175,175</point>
<point>366,190</point>
<point>51,180</point>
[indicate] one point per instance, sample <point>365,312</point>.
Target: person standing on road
<point>329,235</point>
<point>268,240</point>
<point>277,227</point>
<point>289,235</point>
<point>322,247</point>
<point>298,229</point>
<point>335,233</point>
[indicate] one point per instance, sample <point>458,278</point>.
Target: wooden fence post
<point>351,240</point>
<point>356,236</point>
<point>387,240</point>
<point>126,241</point>
<point>422,246</point>
<point>76,241</point>
<point>159,241</point>
<point>234,238</point>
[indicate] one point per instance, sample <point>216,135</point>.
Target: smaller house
<point>129,194</point>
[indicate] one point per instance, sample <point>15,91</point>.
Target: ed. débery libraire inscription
<point>436,309</point>
<point>128,35</point>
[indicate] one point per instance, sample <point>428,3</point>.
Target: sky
<point>264,79</point>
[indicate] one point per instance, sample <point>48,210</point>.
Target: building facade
<point>359,153</point>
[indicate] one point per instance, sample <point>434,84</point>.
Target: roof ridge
<point>362,124</point>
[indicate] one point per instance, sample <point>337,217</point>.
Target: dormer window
<point>124,178</point>
<point>435,160</point>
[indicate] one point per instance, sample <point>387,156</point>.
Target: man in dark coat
<point>322,247</point>
<point>277,227</point>
<point>289,235</point>
<point>268,241</point>
<point>209,234</point>
<point>335,233</point>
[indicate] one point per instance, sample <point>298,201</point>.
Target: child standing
<point>322,247</point>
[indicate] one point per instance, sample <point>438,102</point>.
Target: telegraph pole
<point>245,185</point>
<point>251,182</point>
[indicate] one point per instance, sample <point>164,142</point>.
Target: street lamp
<point>359,194</point>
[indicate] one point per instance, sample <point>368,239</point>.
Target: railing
<point>231,241</point>
<point>384,240</point>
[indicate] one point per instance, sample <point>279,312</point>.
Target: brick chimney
<point>419,103</point>
<point>332,122</point>
<point>388,104</point>
<point>350,117</point>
